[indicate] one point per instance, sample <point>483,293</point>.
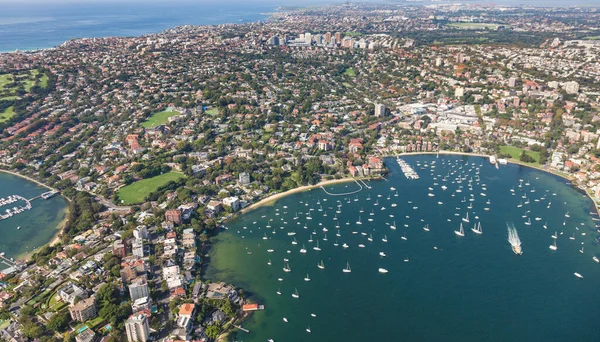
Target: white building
<point>379,109</point>
<point>140,232</point>
<point>571,87</point>
<point>232,202</point>
<point>138,288</point>
<point>137,248</point>
<point>137,328</point>
<point>459,92</point>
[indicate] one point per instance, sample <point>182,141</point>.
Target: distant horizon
<point>537,3</point>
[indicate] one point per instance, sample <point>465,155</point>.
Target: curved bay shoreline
<point>59,228</point>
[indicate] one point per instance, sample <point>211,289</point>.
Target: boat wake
<point>513,239</point>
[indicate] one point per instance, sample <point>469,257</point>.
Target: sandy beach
<point>273,198</point>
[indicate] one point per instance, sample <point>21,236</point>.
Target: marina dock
<point>12,199</point>
<point>408,171</point>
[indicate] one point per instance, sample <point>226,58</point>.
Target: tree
<point>32,330</point>
<point>213,331</point>
<point>59,322</point>
<point>526,158</point>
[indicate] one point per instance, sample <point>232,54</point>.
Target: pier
<point>408,171</point>
<point>363,182</point>
<point>242,329</point>
<point>6,260</point>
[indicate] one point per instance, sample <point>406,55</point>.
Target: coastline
<point>56,238</point>
<point>277,196</point>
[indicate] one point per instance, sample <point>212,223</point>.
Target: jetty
<point>242,329</point>
<point>408,171</point>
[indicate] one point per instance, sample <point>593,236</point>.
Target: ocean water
<point>30,25</point>
<point>440,286</point>
<point>38,225</point>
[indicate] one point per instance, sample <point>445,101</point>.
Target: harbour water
<point>439,285</point>
<point>38,225</point>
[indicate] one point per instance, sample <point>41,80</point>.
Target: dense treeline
<point>82,214</point>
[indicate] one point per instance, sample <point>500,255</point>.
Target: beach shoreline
<point>277,196</point>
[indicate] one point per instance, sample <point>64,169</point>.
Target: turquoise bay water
<point>38,225</point>
<point>469,288</point>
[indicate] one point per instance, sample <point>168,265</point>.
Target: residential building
<point>120,248</point>
<point>88,335</point>
<point>173,216</point>
<point>70,293</point>
<point>232,202</point>
<point>84,310</point>
<point>137,328</point>
<point>244,178</point>
<point>138,288</point>
<point>571,87</point>
<point>379,109</point>
<point>140,232</point>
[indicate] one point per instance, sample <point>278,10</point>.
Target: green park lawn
<point>7,114</point>
<point>474,26</point>
<point>4,324</point>
<point>5,79</point>
<point>159,118</point>
<point>515,153</point>
<point>212,111</point>
<point>350,72</point>
<point>592,38</point>
<point>138,191</point>
<point>353,34</point>
<point>94,323</point>
<point>44,81</point>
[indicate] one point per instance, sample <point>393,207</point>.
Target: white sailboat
<point>370,238</point>
<point>477,228</point>
<point>553,246</point>
<point>307,278</point>
<point>426,227</point>
<point>460,232</point>
<point>321,265</point>
<point>466,218</point>
<point>384,239</point>
<point>317,248</point>
<point>303,249</point>
<point>383,270</point>
<point>347,269</point>
<point>269,262</point>
<point>287,268</point>
<point>295,294</point>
